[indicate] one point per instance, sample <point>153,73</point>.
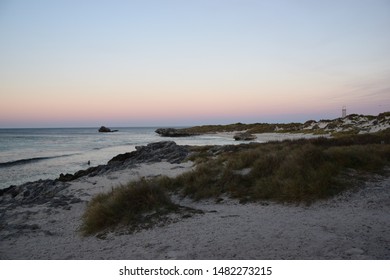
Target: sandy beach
<point>354,225</point>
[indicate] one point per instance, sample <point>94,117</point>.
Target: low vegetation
<point>130,205</point>
<point>300,171</point>
<point>351,124</point>
<point>251,128</point>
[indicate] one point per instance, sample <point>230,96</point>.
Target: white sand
<point>351,226</point>
<point>271,136</point>
<point>267,137</point>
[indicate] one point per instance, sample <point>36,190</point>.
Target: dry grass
<point>289,171</point>
<point>126,205</point>
<point>300,171</point>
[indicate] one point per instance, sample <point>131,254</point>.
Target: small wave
<point>29,160</point>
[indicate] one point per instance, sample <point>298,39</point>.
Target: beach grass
<point>291,171</point>
<point>296,171</point>
<point>126,205</point>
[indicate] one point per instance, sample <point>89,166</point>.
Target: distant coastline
<point>350,124</point>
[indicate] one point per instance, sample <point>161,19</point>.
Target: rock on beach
<point>244,136</point>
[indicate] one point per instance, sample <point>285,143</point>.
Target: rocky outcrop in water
<point>106,129</point>
<point>173,132</point>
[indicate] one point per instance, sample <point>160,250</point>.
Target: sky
<point>191,62</point>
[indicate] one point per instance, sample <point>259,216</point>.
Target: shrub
<point>125,205</point>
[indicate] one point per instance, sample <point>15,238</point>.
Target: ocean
<point>32,154</point>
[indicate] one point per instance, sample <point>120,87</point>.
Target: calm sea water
<point>33,154</point>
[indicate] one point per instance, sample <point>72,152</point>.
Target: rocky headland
<point>174,132</point>
<point>349,125</point>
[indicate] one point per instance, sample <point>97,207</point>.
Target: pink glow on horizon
<point>154,109</point>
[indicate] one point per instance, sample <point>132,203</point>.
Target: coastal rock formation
<point>153,152</point>
<point>70,177</point>
<point>106,129</point>
<point>44,191</point>
<point>244,136</point>
<point>173,132</point>
<point>38,192</point>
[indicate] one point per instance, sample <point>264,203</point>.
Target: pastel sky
<point>189,62</point>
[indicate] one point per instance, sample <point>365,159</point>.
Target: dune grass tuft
<point>126,205</point>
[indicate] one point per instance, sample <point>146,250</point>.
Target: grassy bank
<point>284,172</point>
<point>300,171</point>
<point>131,205</point>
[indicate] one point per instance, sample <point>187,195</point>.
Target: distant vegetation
<point>300,171</point>
<point>251,128</point>
<point>352,124</point>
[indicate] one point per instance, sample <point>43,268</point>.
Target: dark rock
<point>75,200</point>
<point>173,132</point>
<point>38,192</point>
<point>32,227</point>
<point>14,192</point>
<point>6,190</point>
<point>70,177</point>
<point>68,207</point>
<point>48,191</point>
<point>59,202</point>
<point>153,152</point>
<point>26,193</point>
<point>65,178</point>
<point>106,129</point>
<point>244,136</point>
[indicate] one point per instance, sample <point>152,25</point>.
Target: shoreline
<point>352,225</point>
<point>224,137</point>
